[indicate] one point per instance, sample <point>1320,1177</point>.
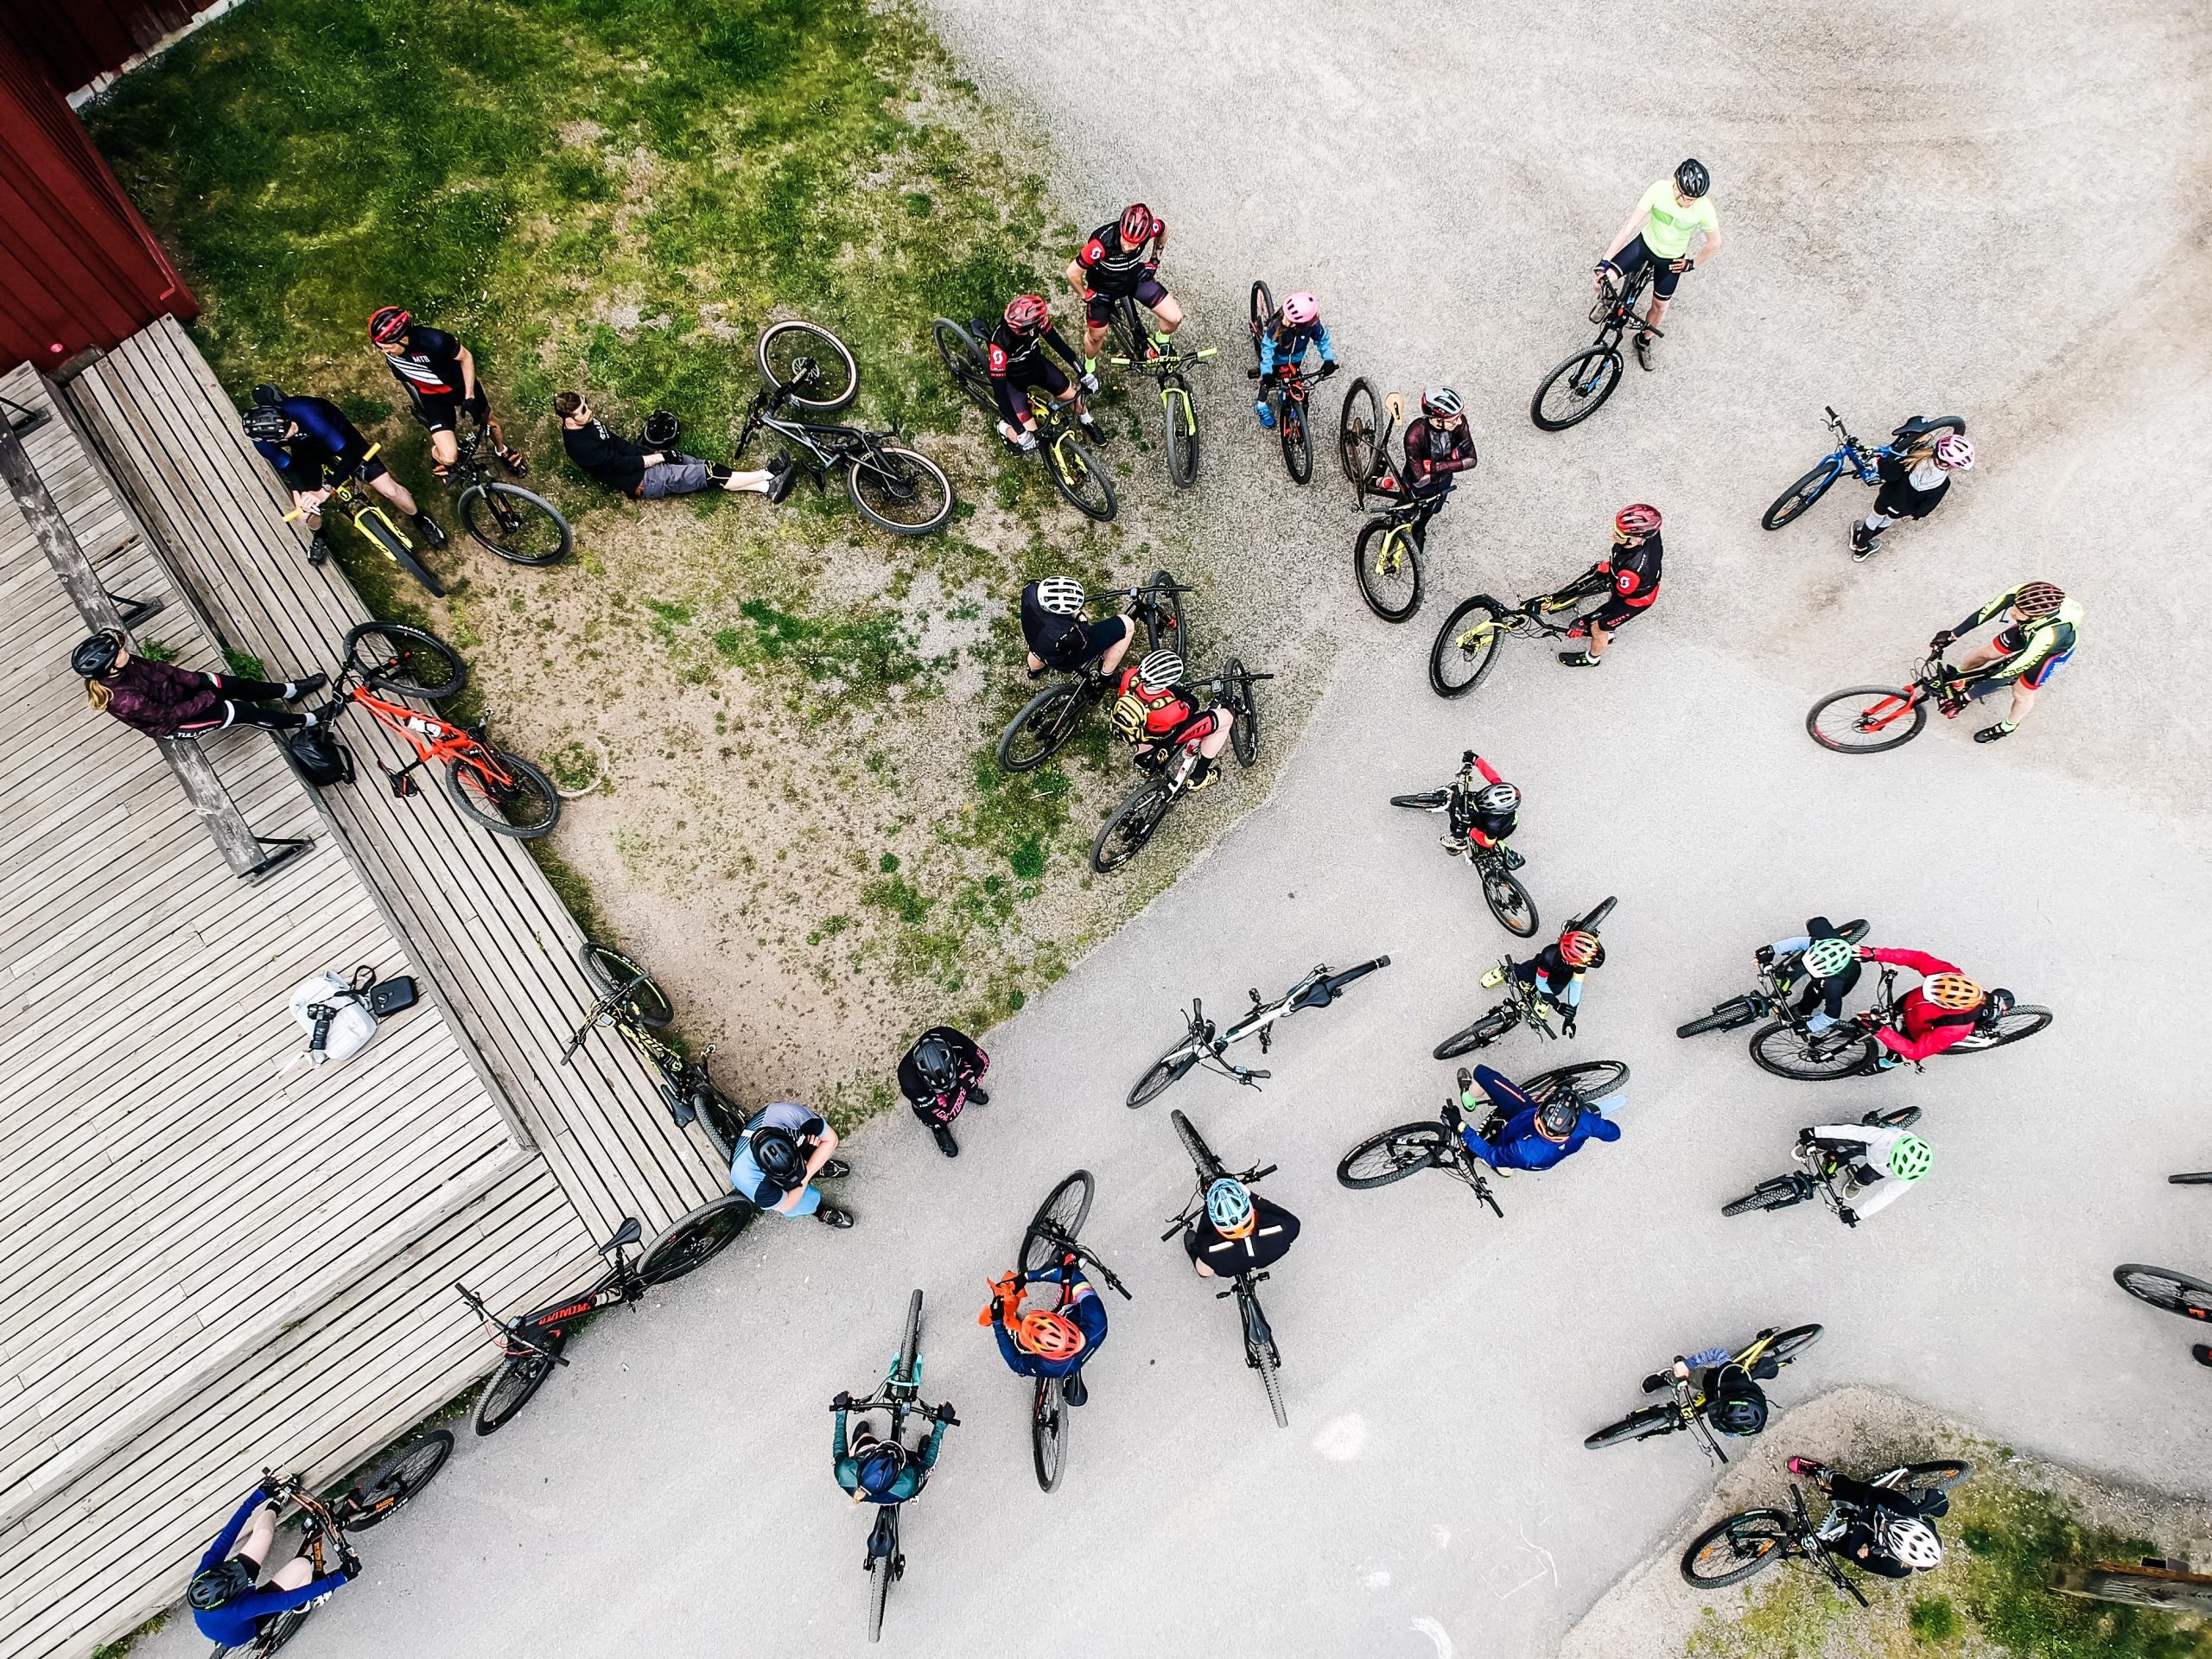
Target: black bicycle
<point>1849,455</point>
<point>519,525</point>
<point>1056,713</point>
<point>1364,426</point>
<point>1168,367</point>
<point>1466,646</point>
<point>1085,484</point>
<point>1740,1546</point>
<point>1260,1350</point>
<point>1848,1048</point>
<point>901,1397</point>
<point>631,1002</point>
<point>1579,387</point>
<point>1132,823</point>
<point>1411,1147</point>
<point>1522,1004</point>
<point>1288,394</point>
<point>1781,980</point>
<point>1763,1357</point>
<point>530,1344</point>
<point>1818,1170</point>
<point>1501,890</point>
<point>1052,1243</point>
<point>1204,1045</point>
<point>809,369</point>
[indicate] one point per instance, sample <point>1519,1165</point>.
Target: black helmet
<point>933,1059</point>
<point>777,1154</point>
<point>266,393</point>
<point>1692,180</point>
<point>266,422</point>
<point>1738,1405</point>
<point>95,656</point>
<point>661,428</point>
<point>213,1586</point>
<point>1557,1118</point>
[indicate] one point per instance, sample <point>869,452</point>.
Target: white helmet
<point>1913,1542</point>
<point>1952,453</point>
<point>1159,671</point>
<point>1061,595</point>
<point>1440,401</point>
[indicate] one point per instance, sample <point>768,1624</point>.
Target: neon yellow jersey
<point>1667,223</point>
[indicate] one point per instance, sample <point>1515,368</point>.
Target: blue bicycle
<point>1850,454</point>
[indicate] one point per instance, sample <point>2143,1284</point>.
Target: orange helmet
<point>1951,991</point>
<point>1577,949</point>
<point>1049,1335</point>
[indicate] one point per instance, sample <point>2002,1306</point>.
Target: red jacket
<point>1927,1029</point>
<point>160,699</point>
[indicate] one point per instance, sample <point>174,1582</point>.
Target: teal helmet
<point>1824,958</point>
<point>1911,1158</point>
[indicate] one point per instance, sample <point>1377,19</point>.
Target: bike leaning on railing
<point>1520,1005</point>
<point>1085,484</point>
<point>1260,1350</point>
<point>1132,823</point>
<point>519,525</point>
<point>1501,890</point>
<point>1053,1240</point>
<point>1056,713</point>
<point>350,496</point>
<point>901,1397</point>
<point>1852,457</point>
<point>1578,388</point>
<point>1168,366</point>
<point>1204,1045</point>
<point>1764,1355</point>
<point>1816,1172</point>
<point>631,1002</point>
<point>1740,1546</point>
<point>1288,396</point>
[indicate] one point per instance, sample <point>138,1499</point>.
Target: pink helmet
<point>1952,453</point>
<point>1300,309</point>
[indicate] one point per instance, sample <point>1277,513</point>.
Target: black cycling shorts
<point>1013,387</point>
<point>1899,499</point>
<point>1630,258</point>
<point>1099,308</point>
<point>440,411</point>
<point>1611,615</point>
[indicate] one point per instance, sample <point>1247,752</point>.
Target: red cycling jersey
<point>1927,1029</point>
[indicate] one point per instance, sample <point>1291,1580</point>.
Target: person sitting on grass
<point>632,468</point>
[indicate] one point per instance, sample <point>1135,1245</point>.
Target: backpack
<point>340,1015</point>
<point>319,757</point>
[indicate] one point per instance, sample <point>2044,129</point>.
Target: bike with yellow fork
<point>360,504</point>
<point>1169,365</point>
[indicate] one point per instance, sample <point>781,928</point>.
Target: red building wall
<point>80,40</point>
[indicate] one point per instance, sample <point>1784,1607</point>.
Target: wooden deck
<point>216,1269</point>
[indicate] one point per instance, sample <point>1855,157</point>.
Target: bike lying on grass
<point>634,1004</point>
<point>901,1396</point>
<point>1523,1004</point>
<point>1204,1044</point>
<point>1851,456</point>
<point>1260,1350</point>
<point>1740,1546</point>
<point>1075,470</point>
<point>1056,713</point>
<point>1815,1176</point>
<point>1052,1242</point>
<point>1501,890</point>
<point>1132,823</point>
<point>1765,1355</point>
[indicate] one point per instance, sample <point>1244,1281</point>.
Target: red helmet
<point>1637,520</point>
<point>1026,313</point>
<point>1577,949</point>
<point>388,323</point>
<point>1136,223</point>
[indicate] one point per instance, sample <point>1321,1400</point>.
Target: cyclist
<point>1824,971</point>
<point>1886,1531</point>
<point>1058,1341</point>
<point>1863,1156</point>
<point>440,376</point>
<point>2042,627</point>
<point>1485,818</point>
<point>783,1148</point>
<point>1555,972</point>
<point>1931,1016</point>
<point>938,1076</point>
<point>1439,448</point>
<point>1157,712</point>
<point>162,699</point>
<point>1912,484</point>
<point>314,449</point>
<point>1284,338</point>
<point>1735,1404</point>
<point>1518,1134</point>
<point>1658,231</point>
<point>877,1470</point>
<point>1240,1232</point>
<point>1114,263</point>
<point>227,1598</point>
<point>646,472</point>
<point>1631,572</point>
<point>1057,637</point>
<point>1015,357</point>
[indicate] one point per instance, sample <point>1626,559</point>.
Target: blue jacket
<point>1519,1146</point>
<point>1083,1307</point>
<point>234,1623</point>
<point>327,441</point>
<point>1294,348</point>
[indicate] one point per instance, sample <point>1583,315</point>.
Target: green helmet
<point>1911,1158</point>
<point>1824,958</point>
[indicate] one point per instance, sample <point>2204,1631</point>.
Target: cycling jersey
<point>236,1622</point>
<point>1862,1152</point>
<point>1017,361</point>
<point>327,444</point>
<point>617,462</point>
<point>1828,992</point>
<point>1273,1230</point>
<point>1483,829</point>
<point>2034,650</point>
<point>1633,573</point>
<point>1909,491</point>
<point>1287,349</point>
<point>1668,226</point>
<point>1168,717</point>
<point>1080,1303</point>
<point>969,1063</point>
<point>1553,976</point>
<point>1927,1029</point>
<point>1114,267</point>
<point>919,1461</point>
<point>428,363</point>
<point>746,1178</point>
<point>1433,454</point>
<point>1865,1506</point>
<point>1517,1143</point>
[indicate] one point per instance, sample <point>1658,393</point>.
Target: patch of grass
<point>852,655</point>
<point>1933,1618</point>
<point>244,664</point>
<point>121,1645</point>
<point>574,891</point>
<point>575,764</point>
<point>895,894</point>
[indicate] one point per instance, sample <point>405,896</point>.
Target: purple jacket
<point>160,698</point>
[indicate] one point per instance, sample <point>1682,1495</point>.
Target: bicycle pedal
<point>402,785</point>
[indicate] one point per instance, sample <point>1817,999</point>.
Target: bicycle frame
<point>843,443</point>
<point>540,1331</point>
<point>1615,309</point>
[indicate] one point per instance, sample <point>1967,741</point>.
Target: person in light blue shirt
<point>784,1147</point>
<point>1819,966</point>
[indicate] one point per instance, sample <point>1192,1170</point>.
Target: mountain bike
<point>530,1345</point>
<point>1466,644</point>
<point>370,1500</point>
<point>1765,1355</point>
<point>1817,1170</point>
<point>1579,387</point>
<point>1501,890</point>
<point>1288,396</point>
<point>1848,1048</point>
<point>503,792</point>
<point>1873,719</point>
<point>1386,555</point>
<point>1849,455</point>
<point>1168,366</point>
<point>1740,1546</point>
<point>809,369</point>
<point>1204,1045</point>
<point>634,1004</point>
<point>1076,472</point>
<point>354,498</point>
<point>1364,426</point>
<point>1057,713</point>
<point>1132,823</point>
<point>1780,983</point>
<point>1260,1350</point>
<point>1411,1147</point>
<point>519,525</point>
<point>1522,1005</point>
<point>901,1396</point>
<point>1051,1242</point>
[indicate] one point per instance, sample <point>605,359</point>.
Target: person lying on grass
<point>632,468</point>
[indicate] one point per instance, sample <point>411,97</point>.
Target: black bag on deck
<point>320,757</point>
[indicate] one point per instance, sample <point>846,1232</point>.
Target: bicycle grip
<point>1179,1225</point>
<point>1261,1174</point>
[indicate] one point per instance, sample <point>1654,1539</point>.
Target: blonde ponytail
<point>98,695</point>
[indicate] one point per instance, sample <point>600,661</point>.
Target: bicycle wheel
<point>503,793</point>
<point>1484,1032</point>
<point>1127,331</point>
<point>280,1629</point>
<point>1262,309</point>
<point>1393,1156</point>
<point>1904,1117</point>
<point>1209,1166</point>
<point>1787,1051</point>
<point>520,526</point>
<point>719,1117</point>
<point>1867,719</point>
<point>2022,1019</point>
<point>1510,902</point>
<point>1171,1067</point>
<point>398,1478</point>
<point>1359,431</point>
<point>1387,563</point>
<point>1737,1546</point>
<point>1126,832</point>
<point>1046,721</point>
<point>1175,634</point>
<point>1942,1476</point>
<point>1081,482</point>
<point>609,970</point>
<point>1777,1194</point>
<point>1269,1364</point>
<point>1048,1431</point>
<point>1244,730</point>
<point>880,1570</point>
<point>395,548</point>
<point>1297,441</point>
<point>1428,801</point>
<point>690,1241</point>
<point>1465,647</point>
<point>1727,1017</point>
<point>1639,1425</point>
<point>1590,1079</point>
<point>1577,389</point>
<point>1060,1218</point>
<point>1790,1343</point>
<point>1179,428</point>
<point>414,662</point>
<point>962,357</point>
<point>2197,1178</point>
<point>518,1378</point>
<point>1801,495</point>
<point>910,1344</point>
<point>2176,1293</point>
<point>810,362</point>
<point>900,491</point>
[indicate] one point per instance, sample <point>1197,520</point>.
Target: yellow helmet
<point>1952,991</point>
